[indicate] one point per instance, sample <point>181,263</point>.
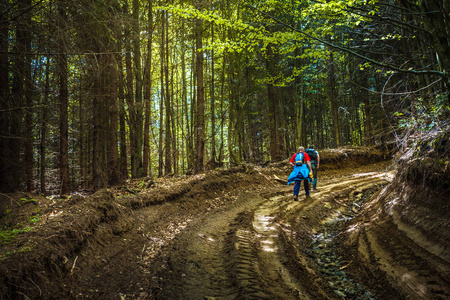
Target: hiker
<point>315,161</point>
<point>302,171</point>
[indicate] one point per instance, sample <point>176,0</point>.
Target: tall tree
<point>146,165</point>
<point>167,98</point>
<point>272,108</point>
<point>138,146</point>
<point>122,113</point>
<point>97,141</point>
<point>43,143</point>
<point>5,175</point>
<point>112,86</point>
<point>114,176</point>
<point>28,100</point>
<point>63,101</point>
<point>130,94</point>
<point>333,99</point>
<point>200,116</point>
<point>161,101</point>
<point>213,102</point>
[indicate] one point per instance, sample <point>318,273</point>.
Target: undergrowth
<point>7,236</point>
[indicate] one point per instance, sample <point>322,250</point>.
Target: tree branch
<point>347,50</point>
<point>22,108</point>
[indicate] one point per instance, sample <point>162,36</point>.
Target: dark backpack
<point>312,154</point>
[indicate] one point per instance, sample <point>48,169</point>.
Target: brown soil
<point>235,234</point>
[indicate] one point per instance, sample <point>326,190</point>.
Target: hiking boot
<point>308,197</point>
<point>295,197</point>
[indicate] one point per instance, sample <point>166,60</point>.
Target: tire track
<point>249,250</point>
<point>271,277</point>
<point>412,269</point>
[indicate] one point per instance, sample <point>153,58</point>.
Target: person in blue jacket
<point>302,171</point>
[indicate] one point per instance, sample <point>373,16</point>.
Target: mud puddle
<point>325,248</point>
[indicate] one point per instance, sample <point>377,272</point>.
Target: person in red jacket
<point>299,158</point>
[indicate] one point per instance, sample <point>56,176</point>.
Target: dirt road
<point>235,234</point>
<point>258,248</point>
<point>257,243</point>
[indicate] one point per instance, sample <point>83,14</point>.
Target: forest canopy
<point>93,93</point>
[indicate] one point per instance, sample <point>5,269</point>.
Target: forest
<point>145,145</point>
<point>97,92</point>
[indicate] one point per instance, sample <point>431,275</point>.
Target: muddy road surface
<point>261,247</point>
<point>234,234</point>
<point>252,242</point>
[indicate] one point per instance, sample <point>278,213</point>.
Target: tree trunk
<point>367,108</point>
<point>173,127</point>
<point>138,171</point>
<point>13,170</point>
<point>436,19</point>
<point>333,100</point>
<point>213,108</point>
<point>232,116</point>
<point>222,108</point>
<point>97,175</point>
<point>113,151</point>
<point>130,96</point>
<point>64,104</point>
<point>299,100</point>
<point>122,116</point>
<point>42,145</point>
<point>273,109</point>
<point>146,165</point>
<point>248,111</point>
<point>161,102</point>
<point>272,122</point>
<point>81,158</point>
<point>200,124</point>
<point>184,122</point>
<point>167,100</point>
<point>29,102</point>
<point>187,111</point>
<point>4,92</point>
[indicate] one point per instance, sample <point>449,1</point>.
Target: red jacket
<point>305,157</point>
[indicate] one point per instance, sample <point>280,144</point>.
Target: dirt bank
<point>403,234</point>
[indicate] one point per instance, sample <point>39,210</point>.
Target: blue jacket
<point>300,172</point>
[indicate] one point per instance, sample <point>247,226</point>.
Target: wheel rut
<point>248,250</point>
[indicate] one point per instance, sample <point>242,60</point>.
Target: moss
<point>27,248</point>
<point>27,200</point>
<point>7,236</point>
<point>33,219</point>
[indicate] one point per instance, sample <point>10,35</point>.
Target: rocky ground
<point>234,234</point>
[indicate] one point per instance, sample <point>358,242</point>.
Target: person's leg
<point>306,183</point>
<point>297,188</point>
<point>314,169</point>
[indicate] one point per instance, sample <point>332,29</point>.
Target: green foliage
<point>427,116</point>
<point>247,45</point>
<point>33,219</point>
<point>27,248</point>
<point>26,200</point>
<point>7,236</point>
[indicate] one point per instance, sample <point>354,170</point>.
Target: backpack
<point>299,159</point>
<point>312,154</point>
